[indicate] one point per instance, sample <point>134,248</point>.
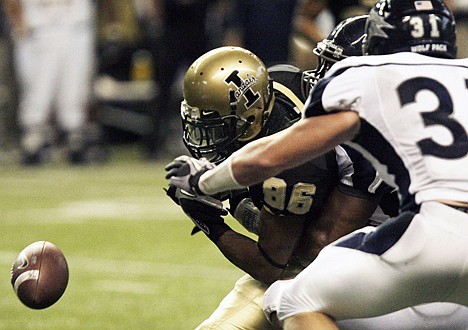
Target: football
<point>39,275</point>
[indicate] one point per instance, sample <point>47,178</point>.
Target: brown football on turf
<point>40,275</point>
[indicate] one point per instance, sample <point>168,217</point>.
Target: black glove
<point>235,198</point>
<point>204,211</point>
<point>171,192</point>
<point>185,172</point>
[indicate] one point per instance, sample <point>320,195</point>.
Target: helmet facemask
<point>310,77</point>
<point>345,40</point>
<point>208,135</point>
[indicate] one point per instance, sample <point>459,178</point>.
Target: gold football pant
<point>240,309</point>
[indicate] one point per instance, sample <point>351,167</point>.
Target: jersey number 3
<point>441,116</point>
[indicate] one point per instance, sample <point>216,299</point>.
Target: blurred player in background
<point>263,27</point>
<point>7,86</point>
<point>54,58</point>
<point>420,256</point>
<point>182,38</point>
<point>230,99</point>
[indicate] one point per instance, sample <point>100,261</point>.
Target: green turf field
<point>133,264</point>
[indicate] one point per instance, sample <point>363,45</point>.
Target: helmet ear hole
<point>251,119</point>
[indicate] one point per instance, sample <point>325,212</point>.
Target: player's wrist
<point>216,231</point>
<point>194,182</point>
<point>218,179</point>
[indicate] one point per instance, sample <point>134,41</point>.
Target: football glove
<point>204,211</point>
<point>185,172</point>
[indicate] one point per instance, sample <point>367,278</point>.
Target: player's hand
<point>185,172</point>
<point>205,212</point>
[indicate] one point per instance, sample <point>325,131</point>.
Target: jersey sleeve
<point>358,177</point>
<point>313,106</point>
<point>341,90</point>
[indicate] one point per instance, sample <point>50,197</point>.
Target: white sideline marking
<point>131,270</point>
<point>129,267</point>
<point>125,287</point>
<point>88,210</point>
<point>139,268</point>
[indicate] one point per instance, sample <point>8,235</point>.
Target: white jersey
<point>60,13</point>
<point>434,316</point>
<point>413,127</point>
<point>426,102</point>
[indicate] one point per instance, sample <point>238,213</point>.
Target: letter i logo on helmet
<point>243,88</point>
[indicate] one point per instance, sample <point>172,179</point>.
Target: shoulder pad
<point>284,67</point>
<point>287,85</point>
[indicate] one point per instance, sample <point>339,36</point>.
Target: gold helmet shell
<point>227,96</point>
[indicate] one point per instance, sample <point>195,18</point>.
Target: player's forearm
<point>254,163</point>
<point>270,155</point>
<point>341,215</point>
<point>244,254</point>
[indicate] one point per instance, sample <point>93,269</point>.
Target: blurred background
<point>90,92</point>
<point>82,76</point>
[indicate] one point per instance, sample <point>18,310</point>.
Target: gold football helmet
<point>227,99</point>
